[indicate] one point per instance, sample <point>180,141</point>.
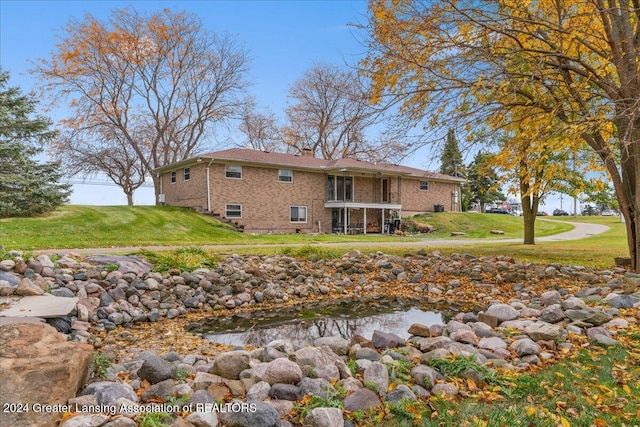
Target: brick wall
<point>266,201</point>
<point>191,193</point>
<point>414,200</point>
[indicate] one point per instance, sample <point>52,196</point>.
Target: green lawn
<point>479,225</point>
<point>76,226</point>
<point>123,226</point>
<point>595,251</point>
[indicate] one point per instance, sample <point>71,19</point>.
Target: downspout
<point>209,188</point>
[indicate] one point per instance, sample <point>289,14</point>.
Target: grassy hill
<point>121,226</point>
<point>106,226</point>
<point>479,225</point>
<point>75,226</point>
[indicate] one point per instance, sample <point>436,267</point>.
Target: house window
<point>285,175</point>
<point>233,171</point>
<point>186,173</point>
<point>173,177</point>
<point>233,211</point>
<point>339,188</point>
<point>298,214</point>
<point>424,185</point>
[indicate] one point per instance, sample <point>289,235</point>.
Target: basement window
<point>233,211</point>
<point>298,214</point>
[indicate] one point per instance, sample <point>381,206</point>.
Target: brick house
<point>282,193</point>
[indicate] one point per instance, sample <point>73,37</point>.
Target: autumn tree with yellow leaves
<point>153,86</point>
<point>571,67</point>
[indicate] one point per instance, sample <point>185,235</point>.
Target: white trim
<point>420,185</point>
<point>339,204</point>
<point>226,210</point>
<point>173,177</point>
<point>335,186</point>
<point>209,187</point>
<point>306,214</point>
<point>290,176</point>
<point>184,173</point>
<point>226,166</point>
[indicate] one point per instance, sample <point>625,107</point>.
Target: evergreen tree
<point>451,160</point>
<point>27,187</point>
<point>483,183</point>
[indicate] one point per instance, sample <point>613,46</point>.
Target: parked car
<point>560,212</point>
<point>608,212</point>
<point>542,213</point>
<point>498,211</point>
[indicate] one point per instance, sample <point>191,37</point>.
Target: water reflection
<point>345,320</point>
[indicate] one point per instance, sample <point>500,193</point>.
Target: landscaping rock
<point>282,371</point>
<point>551,297</point>
<point>419,330</point>
<point>202,419</point>
<point>552,314</point>
<point>338,345</point>
<point>155,369</point>
<point>492,343</point>
<point>324,417</point>
<point>603,340</point>
<point>383,340</point>
<point>544,331</point>
<point>445,389</point>
<point>361,400</point>
<point>285,392</point>
<point>377,374</point>
<point>620,301</point>
<point>525,347</point>
<point>107,392</point>
<point>399,393</point>
<point>318,386</point>
<point>28,288</point>
<point>86,420</point>
<point>35,368</point>
<point>503,312</point>
<point>263,416</point>
<point>230,364</point>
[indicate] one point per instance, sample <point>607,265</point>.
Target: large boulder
<point>155,369</point>
<point>230,364</point>
<point>315,356</point>
<point>126,264</point>
<point>324,417</point>
<point>39,366</point>
<point>258,415</point>
<point>282,371</point>
<point>503,312</point>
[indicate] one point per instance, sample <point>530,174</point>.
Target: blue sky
<point>283,39</point>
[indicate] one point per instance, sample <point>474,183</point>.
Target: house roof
<point>241,155</point>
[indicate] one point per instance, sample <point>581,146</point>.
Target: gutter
<point>209,186</point>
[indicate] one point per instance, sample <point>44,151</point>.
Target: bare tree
<point>330,114</point>
<point>110,155</point>
<point>260,130</point>
<point>158,84</point>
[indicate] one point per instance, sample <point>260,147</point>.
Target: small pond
<point>304,323</point>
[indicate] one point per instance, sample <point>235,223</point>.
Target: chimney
<point>307,152</point>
